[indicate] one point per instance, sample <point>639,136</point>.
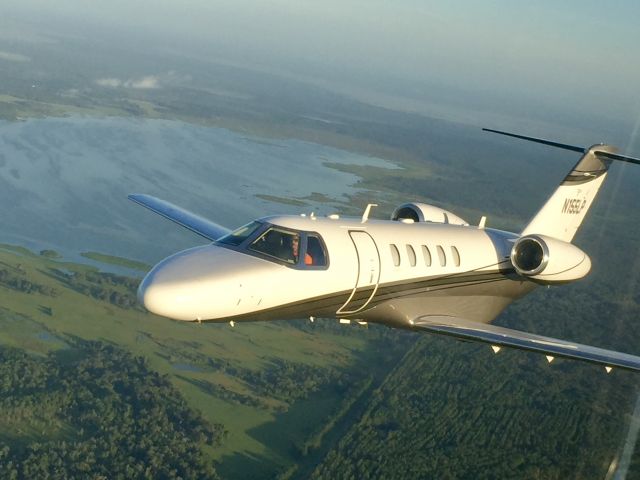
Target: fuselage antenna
<point>365,215</point>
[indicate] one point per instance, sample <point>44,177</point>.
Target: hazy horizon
<point>546,68</point>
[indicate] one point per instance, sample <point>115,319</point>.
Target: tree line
<point>107,287</point>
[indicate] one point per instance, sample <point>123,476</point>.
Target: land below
<point>92,385</point>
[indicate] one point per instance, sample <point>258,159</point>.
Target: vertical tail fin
<point>564,211</point>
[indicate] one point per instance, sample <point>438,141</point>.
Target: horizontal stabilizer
<point>573,148</point>
<point>191,221</point>
<point>506,337</point>
<point>564,146</point>
<point>616,156</point>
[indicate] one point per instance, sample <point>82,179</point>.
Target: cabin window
<point>278,244</point>
<point>315,254</point>
<point>441,256</point>
<point>412,255</point>
<point>456,256</point>
<point>240,235</point>
<point>395,254</point>
<point>427,255</point>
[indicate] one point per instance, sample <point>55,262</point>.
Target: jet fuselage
<point>379,271</point>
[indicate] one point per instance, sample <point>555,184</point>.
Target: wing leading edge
<point>195,223</point>
<point>501,336</point>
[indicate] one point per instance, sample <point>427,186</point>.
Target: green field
<point>258,380</point>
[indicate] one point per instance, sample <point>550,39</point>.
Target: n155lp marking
<point>573,205</point>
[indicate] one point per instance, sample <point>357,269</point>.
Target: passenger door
<point>368,273</point>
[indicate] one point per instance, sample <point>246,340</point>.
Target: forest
<point>451,411</point>
<point>96,411</point>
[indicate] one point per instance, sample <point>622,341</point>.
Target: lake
<point>64,181</point>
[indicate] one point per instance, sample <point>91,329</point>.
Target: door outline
<point>361,234</point>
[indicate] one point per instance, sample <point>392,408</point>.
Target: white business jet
<point>426,269</point>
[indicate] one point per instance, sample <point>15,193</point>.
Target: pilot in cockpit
<point>295,249</point>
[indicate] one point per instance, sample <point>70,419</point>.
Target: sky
<point>494,61</point>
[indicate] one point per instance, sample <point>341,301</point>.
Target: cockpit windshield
<point>279,244</point>
<point>240,234</point>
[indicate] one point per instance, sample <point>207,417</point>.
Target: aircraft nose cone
<point>199,283</point>
<point>154,297</point>
<point>171,287</point>
<point>165,301</point>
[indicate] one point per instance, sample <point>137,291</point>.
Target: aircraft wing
<point>195,223</point>
<point>506,337</point>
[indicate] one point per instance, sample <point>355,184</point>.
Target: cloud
<point>13,57</point>
<point>148,82</point>
<point>109,82</point>
<point>142,83</point>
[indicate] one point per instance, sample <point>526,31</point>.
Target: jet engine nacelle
<point>422,212</point>
<point>549,260</point>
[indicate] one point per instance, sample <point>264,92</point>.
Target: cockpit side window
<point>279,244</point>
<point>240,235</point>
<point>315,254</point>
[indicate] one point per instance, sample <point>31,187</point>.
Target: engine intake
<point>530,256</point>
<point>422,212</point>
<point>549,260</point>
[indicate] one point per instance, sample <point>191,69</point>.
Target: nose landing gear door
<point>368,273</point>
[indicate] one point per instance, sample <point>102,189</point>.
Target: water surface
<point>64,181</point>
